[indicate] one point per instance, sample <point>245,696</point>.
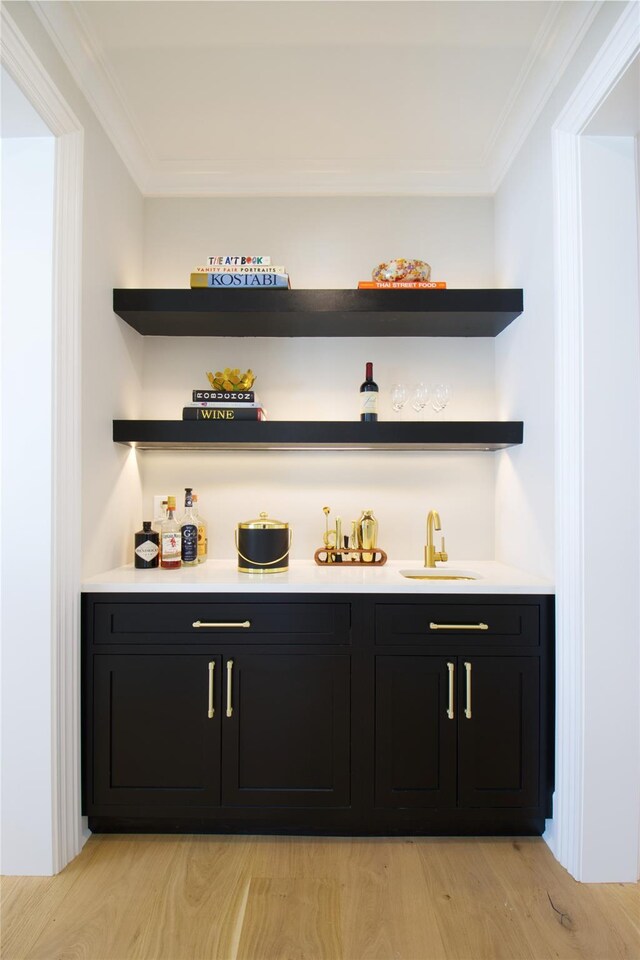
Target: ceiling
<point>316,96</point>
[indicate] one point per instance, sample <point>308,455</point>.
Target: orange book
<point>402,285</point>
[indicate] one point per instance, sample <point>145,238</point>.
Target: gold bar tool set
<point>358,547</point>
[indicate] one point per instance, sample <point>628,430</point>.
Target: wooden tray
<point>326,556</point>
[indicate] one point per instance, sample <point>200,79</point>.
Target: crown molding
<point>312,183</point>
<point>560,35</point>
<point>82,55</point>
<point>25,68</point>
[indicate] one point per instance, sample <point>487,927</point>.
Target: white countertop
<point>305,576</point>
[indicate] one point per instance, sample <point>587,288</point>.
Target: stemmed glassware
<point>399,396</point>
<point>440,397</point>
<point>420,397</point>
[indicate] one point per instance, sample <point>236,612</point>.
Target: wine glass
<point>399,396</point>
<point>440,397</point>
<point>420,396</point>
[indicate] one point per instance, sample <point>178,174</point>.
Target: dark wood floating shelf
<point>318,313</point>
<point>317,435</point>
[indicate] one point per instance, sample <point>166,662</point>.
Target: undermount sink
<point>440,573</point>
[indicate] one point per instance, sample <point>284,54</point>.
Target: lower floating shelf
<point>317,435</point>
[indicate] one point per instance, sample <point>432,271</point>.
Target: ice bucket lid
<point>263,523</point>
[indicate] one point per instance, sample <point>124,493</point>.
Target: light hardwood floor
<point>285,898</point>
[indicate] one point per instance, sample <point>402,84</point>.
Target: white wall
<point>611,490</point>
<point>327,243</point>
<point>111,351</point>
<point>112,362</point>
<point>524,352</point>
<point>525,477</point>
<point>25,504</point>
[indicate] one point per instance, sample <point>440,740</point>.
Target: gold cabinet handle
<point>198,624</point>
<point>451,669</point>
<point>458,626</point>
<point>229,688</point>
<point>467,709</point>
<point>211,711</point>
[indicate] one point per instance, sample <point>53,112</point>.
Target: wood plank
<point>29,903</point>
<point>560,917</point>
<point>244,898</point>
<point>292,918</point>
<point>473,913</point>
<point>198,900</point>
<point>109,908</point>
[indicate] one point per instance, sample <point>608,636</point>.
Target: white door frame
<point>613,58</point>
<point>22,64</point>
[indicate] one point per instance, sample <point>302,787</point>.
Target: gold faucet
<point>430,552</point>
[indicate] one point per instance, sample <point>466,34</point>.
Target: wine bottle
<point>369,396</point>
<point>170,539</point>
<point>189,531</point>
<point>147,549</point>
<point>203,543</point>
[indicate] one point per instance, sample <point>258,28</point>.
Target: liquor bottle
<point>147,548</point>
<point>170,539</point>
<point>369,396</point>
<point>203,543</point>
<point>189,531</point>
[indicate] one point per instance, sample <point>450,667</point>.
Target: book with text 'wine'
<point>237,281</point>
<point>223,413</point>
<point>402,285</point>
<point>230,397</point>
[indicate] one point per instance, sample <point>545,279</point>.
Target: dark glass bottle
<point>369,396</point>
<point>146,554</point>
<point>189,530</point>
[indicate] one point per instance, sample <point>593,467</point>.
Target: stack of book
<point>401,285</point>
<point>227,272</point>
<point>224,405</point>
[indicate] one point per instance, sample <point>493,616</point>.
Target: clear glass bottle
<point>170,539</point>
<point>146,547</point>
<point>203,543</point>
<point>189,531</point>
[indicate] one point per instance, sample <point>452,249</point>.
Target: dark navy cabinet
<point>317,713</point>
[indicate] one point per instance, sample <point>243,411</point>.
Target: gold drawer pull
<point>211,711</point>
<point>450,668</point>
<point>229,688</point>
<point>467,709</point>
<point>458,626</point>
<point>245,624</point>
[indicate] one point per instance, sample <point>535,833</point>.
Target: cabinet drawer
<point>200,622</point>
<point>420,623</point>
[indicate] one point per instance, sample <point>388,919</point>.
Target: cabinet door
<point>499,743</point>
<point>415,735</point>
<point>287,741</point>
<point>155,743</point>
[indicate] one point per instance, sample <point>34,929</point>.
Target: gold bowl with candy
<point>231,380</point>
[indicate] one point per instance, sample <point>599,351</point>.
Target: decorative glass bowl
<point>398,271</point>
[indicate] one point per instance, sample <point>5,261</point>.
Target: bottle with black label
<point>369,396</point>
<point>189,530</point>
<point>146,554</point>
